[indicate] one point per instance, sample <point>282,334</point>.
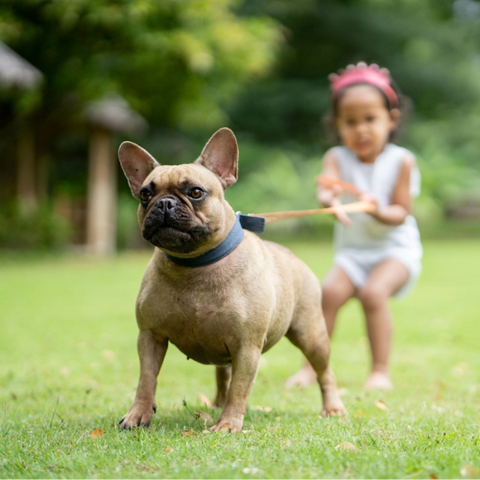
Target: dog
<point>220,294</point>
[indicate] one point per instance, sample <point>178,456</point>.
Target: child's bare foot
<point>378,381</point>
<point>305,376</point>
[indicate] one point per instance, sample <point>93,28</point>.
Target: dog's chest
<point>200,325</point>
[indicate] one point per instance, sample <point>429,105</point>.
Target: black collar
<point>231,242</point>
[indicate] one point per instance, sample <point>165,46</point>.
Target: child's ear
<point>395,115</point>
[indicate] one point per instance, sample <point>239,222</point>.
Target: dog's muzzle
<point>169,224</point>
<point>164,213</point>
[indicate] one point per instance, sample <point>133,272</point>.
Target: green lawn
<point>68,366</point>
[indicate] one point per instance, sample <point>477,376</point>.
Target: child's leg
<point>387,278</point>
<point>337,288</point>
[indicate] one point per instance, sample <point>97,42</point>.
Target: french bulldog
<point>220,294</point>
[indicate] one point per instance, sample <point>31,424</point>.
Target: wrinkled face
<point>181,207</point>
<point>364,122</point>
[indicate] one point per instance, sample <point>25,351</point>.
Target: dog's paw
<point>334,410</point>
<point>137,416</point>
<point>231,425</point>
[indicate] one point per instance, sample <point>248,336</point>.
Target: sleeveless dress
<point>363,245</point>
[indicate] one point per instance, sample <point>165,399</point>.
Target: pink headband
<point>362,73</point>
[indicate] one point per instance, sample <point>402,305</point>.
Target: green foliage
<point>176,62</point>
<point>258,66</point>
<point>39,229</point>
<point>432,58</point>
<point>68,365</point>
<point>432,53</point>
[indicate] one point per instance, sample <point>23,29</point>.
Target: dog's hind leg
<point>223,376</point>
<point>244,371</point>
<point>308,332</point>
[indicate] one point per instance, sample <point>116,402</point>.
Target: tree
<point>430,48</point>
<point>177,63</point>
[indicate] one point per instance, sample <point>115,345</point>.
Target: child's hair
<point>363,74</point>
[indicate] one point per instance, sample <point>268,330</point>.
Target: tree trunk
<point>102,194</point>
<point>26,175</point>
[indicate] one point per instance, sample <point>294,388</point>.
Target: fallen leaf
<point>97,433</point>
<point>188,433</point>
<point>109,356</point>
<point>204,416</point>
<point>168,449</point>
<point>460,368</point>
<point>263,409</point>
<point>205,400</point>
<point>287,443</point>
<point>433,476</point>
<point>345,446</point>
<point>379,404</point>
<point>469,471</point>
<point>359,414</point>
<point>206,431</point>
<point>274,428</point>
<point>251,470</point>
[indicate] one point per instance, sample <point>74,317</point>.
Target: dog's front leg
<point>244,370</point>
<point>151,351</point>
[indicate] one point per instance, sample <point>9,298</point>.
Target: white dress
<point>363,245</point>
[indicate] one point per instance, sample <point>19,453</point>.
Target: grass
<point>68,366</point>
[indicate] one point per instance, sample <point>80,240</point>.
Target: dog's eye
<point>145,196</point>
<point>196,193</point>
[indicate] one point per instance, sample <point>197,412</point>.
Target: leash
<point>355,207</point>
<point>326,182</point>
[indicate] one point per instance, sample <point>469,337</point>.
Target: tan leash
<point>322,181</point>
<point>355,207</point>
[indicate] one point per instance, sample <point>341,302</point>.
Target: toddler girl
<point>377,255</point>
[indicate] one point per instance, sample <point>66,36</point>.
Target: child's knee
<point>373,296</point>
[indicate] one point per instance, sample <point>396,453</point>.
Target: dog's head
<point>182,208</point>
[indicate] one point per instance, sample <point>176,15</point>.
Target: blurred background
<point>78,77</point>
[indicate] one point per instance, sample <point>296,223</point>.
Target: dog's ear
<point>220,155</point>
<point>137,164</point>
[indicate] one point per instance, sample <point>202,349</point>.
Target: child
<point>377,255</point>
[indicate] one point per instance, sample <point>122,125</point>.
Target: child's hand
<point>341,216</point>
<point>330,197</point>
<point>368,197</point>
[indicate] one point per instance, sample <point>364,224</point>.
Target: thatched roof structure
<point>113,113</point>
<point>16,71</point>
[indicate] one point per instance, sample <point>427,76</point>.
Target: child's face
<point>363,121</point>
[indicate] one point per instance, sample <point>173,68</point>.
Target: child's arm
<point>399,209</point>
<point>330,196</point>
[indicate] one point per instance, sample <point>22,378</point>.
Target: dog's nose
<point>166,204</point>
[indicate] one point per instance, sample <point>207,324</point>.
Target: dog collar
<point>231,242</point>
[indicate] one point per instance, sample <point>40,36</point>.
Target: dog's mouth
<point>166,231</point>
<point>175,237</point>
